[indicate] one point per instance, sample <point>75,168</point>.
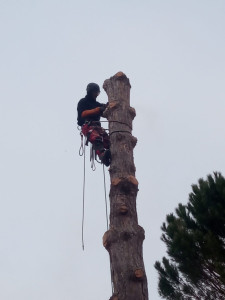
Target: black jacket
<point>87,103</point>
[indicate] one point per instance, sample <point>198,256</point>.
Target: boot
<point>105,157</point>
<point>98,145</point>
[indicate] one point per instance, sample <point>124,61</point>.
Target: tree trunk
<point>125,237</point>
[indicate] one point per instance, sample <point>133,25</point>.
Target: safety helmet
<point>92,87</point>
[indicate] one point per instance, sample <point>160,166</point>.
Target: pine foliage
<point>195,241</point>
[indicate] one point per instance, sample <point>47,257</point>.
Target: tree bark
<point>125,237</point>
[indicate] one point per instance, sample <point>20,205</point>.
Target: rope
<point>117,131</point>
<point>92,157</point>
<point>106,207</point>
<point>83,202</point>
<point>81,150</point>
<point>113,121</point>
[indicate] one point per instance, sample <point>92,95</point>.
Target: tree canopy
<point>195,241</point>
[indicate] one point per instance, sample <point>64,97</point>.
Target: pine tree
<point>195,241</point>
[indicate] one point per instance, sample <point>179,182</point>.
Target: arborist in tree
<point>89,113</point>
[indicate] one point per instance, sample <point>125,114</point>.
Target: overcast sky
<point>173,53</point>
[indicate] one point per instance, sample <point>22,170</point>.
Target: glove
<point>102,108</point>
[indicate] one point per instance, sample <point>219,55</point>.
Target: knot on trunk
<point>109,109</point>
<point>138,274</point>
<point>126,184</point>
<point>141,232</point>
<point>123,209</point>
<point>132,112</point>
<point>133,141</point>
<point>117,236</point>
<point>127,235</point>
<point>109,237</point>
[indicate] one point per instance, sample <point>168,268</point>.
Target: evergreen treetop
<point>195,241</point>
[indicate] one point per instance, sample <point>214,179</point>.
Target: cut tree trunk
<point>125,237</point>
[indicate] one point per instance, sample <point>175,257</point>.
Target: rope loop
<point>81,150</point>
<point>114,121</point>
<point>92,158</point>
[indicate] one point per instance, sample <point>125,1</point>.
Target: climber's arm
<point>91,112</point>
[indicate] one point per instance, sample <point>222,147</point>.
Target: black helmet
<point>92,87</point>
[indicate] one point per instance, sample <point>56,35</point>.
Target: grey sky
<point>173,53</point>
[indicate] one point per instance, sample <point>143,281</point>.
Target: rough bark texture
<point>125,237</point>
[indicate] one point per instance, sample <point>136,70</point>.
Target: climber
<point>89,112</point>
